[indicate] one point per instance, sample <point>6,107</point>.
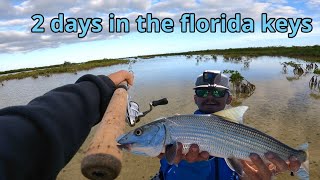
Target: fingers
<point>280,164</point>
<point>193,154</point>
<point>250,173</point>
<point>262,169</point>
<point>129,78</point>
<point>179,155</point>
<point>204,155</point>
<point>294,164</point>
<point>160,156</point>
<point>259,170</point>
<point>120,76</point>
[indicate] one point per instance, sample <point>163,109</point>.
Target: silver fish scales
<point>220,134</point>
<point>223,138</point>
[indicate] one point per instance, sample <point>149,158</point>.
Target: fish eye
<point>138,132</point>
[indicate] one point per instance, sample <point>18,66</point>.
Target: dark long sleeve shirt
<point>37,140</point>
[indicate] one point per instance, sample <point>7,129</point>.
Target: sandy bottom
<point>281,106</point>
<point>288,119</point>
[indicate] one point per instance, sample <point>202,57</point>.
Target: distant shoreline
<point>66,67</point>
<point>307,53</point>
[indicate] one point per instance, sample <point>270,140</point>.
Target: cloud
<point>119,6</point>
<point>285,11</point>
<point>16,22</point>
<point>221,4</point>
<point>314,4</point>
<point>44,7</point>
<point>179,5</point>
<point>15,41</point>
<point>277,1</point>
<point>6,10</point>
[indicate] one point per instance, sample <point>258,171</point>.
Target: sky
<point>19,48</point>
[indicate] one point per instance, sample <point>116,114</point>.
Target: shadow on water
<point>287,110</point>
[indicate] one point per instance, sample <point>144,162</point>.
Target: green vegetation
<point>66,67</point>
<point>235,77</point>
<point>317,71</point>
<point>28,69</point>
<point>307,53</point>
<point>292,64</point>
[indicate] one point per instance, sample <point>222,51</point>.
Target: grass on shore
<point>67,67</point>
<point>307,53</point>
<point>317,71</point>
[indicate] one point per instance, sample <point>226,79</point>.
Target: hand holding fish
<point>193,155</point>
<point>254,169</point>
<point>257,169</point>
<point>221,135</point>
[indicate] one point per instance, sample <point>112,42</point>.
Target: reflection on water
<point>314,86</point>
<point>279,107</point>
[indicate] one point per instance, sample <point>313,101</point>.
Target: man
<point>212,94</point>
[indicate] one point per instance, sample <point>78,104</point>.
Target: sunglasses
<point>215,92</point>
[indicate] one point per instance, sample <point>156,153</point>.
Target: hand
<point>193,155</point>
<point>257,169</point>
<point>121,76</point>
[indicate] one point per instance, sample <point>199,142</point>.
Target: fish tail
<point>305,165</point>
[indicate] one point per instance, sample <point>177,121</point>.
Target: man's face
<point>211,104</point>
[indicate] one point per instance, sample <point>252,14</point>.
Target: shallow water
<point>282,105</point>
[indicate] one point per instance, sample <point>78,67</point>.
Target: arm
<point>39,139</point>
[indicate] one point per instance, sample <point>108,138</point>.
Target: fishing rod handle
<point>103,159</point>
<point>160,102</point>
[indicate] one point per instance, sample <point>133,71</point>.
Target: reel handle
<point>159,102</point>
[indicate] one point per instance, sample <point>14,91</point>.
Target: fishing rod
<point>133,112</point>
<point>103,160</point>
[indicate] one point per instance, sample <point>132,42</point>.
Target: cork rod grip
<point>103,159</point>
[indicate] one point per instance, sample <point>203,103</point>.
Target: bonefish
<point>222,134</point>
